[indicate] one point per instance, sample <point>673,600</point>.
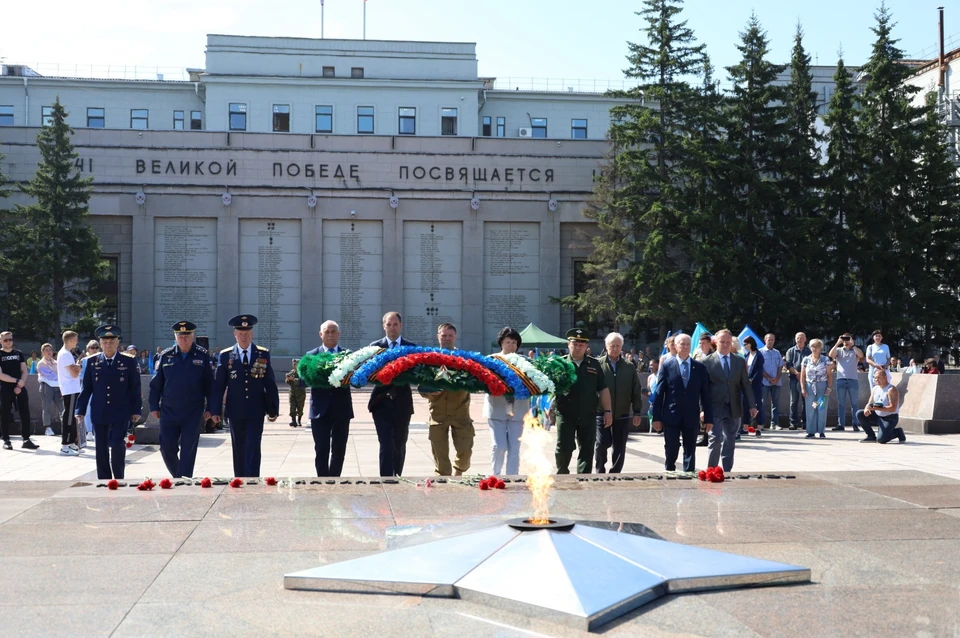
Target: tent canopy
<point>534,337</point>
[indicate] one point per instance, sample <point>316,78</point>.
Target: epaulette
<point>262,349</point>
<point>225,350</point>
<point>201,349</point>
<point>91,356</point>
<point>168,350</point>
<point>132,356</point>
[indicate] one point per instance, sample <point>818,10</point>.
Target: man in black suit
<point>392,405</point>
<point>683,391</point>
<point>330,412</point>
<point>729,385</point>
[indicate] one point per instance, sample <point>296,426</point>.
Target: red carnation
<point>702,475</point>
<point>236,482</point>
<point>484,485</point>
<point>206,483</point>
<point>166,483</point>
<point>113,484</point>
<point>270,480</point>
<point>146,485</point>
<point>501,485</point>
<point>751,429</point>
<point>129,445</point>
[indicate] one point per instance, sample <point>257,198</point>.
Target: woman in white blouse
<point>505,416</point>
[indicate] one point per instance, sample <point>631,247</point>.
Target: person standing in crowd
<point>792,361</point>
<point>13,391</point>
<point>772,369</point>
<point>755,366</point>
<point>330,411</point>
<point>32,361</point>
<point>112,389</point>
<point>505,416</point>
<point>729,383</point>
<point>180,399</point>
<point>449,417</point>
<point>882,410</point>
<point>704,350</point>
<point>392,405</point>
<point>143,360</point>
<point>846,356</point>
<point>532,354</point>
<point>576,410</point>
<point>68,376</point>
<point>626,400</point>
<point>930,367</point>
<point>938,361</point>
<point>50,401</point>
<point>878,355</point>
<point>245,374</point>
<point>682,394</point>
<point>297,396</point>
<point>816,382</point>
<point>86,433</point>
<point>913,368</point>
<point>669,344</point>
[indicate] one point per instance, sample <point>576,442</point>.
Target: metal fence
<point>105,71</point>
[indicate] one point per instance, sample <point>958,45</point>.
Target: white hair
<point>329,322</point>
<point>613,336</point>
<point>680,336</point>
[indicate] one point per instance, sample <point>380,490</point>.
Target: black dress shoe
<point>869,439</point>
<point>29,445</point>
<point>839,428</point>
<point>7,445</point>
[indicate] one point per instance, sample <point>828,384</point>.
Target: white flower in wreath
<point>350,363</point>
<point>542,381</point>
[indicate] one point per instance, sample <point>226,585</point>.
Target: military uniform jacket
<point>113,389</point>
<point>251,393</point>
<point>182,386</point>
<point>580,403</point>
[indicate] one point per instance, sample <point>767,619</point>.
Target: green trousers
<point>576,433</point>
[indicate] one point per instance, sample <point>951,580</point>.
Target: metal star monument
<point>562,571</point>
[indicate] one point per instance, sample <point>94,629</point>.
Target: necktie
<point>685,372</point>
<point>246,361</point>
<point>109,363</point>
<point>393,344</point>
<point>726,366</point>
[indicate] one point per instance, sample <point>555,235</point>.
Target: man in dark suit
<point>330,412</point>
<point>728,379</point>
<point>245,373</point>
<point>392,405</point>
<point>683,391</point>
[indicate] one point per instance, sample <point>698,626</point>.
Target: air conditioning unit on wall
<point>526,132</point>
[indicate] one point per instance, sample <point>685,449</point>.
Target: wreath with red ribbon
<point>389,372</point>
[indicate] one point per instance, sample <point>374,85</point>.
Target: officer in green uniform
<point>577,409</point>
<point>298,395</point>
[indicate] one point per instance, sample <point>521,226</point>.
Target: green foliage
<point>315,369</point>
<point>561,371</point>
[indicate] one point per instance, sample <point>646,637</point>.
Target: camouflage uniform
<point>298,396</point>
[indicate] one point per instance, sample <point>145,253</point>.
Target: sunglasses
<point>93,348</point>
<point>6,340</point>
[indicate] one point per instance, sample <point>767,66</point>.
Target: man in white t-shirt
<point>68,376</point>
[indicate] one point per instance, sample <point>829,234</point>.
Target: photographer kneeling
<point>883,410</point>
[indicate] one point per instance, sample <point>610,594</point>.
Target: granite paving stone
<point>934,496</point>
<point>127,506</point>
<point>89,539</point>
<point>12,507</point>
<point>302,503</point>
<point>873,525</point>
<point>59,620</point>
<point>303,534</point>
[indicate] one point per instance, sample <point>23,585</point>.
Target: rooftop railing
<point>564,85</point>
<point>100,71</point>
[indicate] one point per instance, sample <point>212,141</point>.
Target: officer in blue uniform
<point>245,373</point>
<point>111,386</point>
<point>178,393</point>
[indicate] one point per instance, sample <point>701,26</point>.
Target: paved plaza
<point>879,526</point>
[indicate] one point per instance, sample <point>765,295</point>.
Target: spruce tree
<point>638,268</point>
<point>56,253</point>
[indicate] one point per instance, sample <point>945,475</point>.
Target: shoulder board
<point>201,349</point>
<point>91,356</point>
<point>225,350</point>
<point>168,350</point>
<point>131,356</point>
<point>262,349</point>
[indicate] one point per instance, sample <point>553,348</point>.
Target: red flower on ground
<point>713,474</point>
<point>113,484</point>
<point>166,483</point>
<point>206,483</point>
<point>702,475</point>
<point>270,480</point>
<point>484,485</point>
<point>146,485</point>
<point>501,485</point>
<point>236,482</point>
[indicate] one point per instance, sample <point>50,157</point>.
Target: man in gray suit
<point>728,383</point>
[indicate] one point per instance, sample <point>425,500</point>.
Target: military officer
<point>111,387</point>
<point>245,373</point>
<point>298,396</point>
<point>577,409</point>
<point>179,392</point>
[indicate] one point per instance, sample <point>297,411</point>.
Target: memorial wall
<point>432,286</point>
<point>185,275</point>
<point>353,279</point>
<point>270,281</point>
<point>511,277</point>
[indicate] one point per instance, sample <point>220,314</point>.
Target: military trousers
<point>245,435</point>
<point>297,401</point>
<point>111,448</point>
<point>179,439</point>
<point>440,434</point>
<point>576,433</point>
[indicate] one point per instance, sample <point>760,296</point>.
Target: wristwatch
<point>606,411</point>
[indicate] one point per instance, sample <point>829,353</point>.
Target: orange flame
<point>538,467</point>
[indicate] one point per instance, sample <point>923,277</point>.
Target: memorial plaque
<point>270,281</point>
<point>511,277</point>
<point>353,279</point>
<point>432,256</point>
<point>185,279</point>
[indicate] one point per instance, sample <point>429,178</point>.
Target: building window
<point>6,115</point>
<point>408,120</point>
<point>281,118</point>
<point>46,116</point>
<point>365,120</point>
<point>539,125</point>
<point>578,129</point>
<point>109,289</point>
<point>324,119</point>
<point>95,117</point>
<point>448,121</point>
<point>196,120</point>
<point>329,72</point>
<point>238,116</point>
<point>501,127</point>
<point>485,130</point>
<point>356,72</point>
<point>139,119</point>
<point>178,120</point>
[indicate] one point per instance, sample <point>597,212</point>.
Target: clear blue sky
<point>519,38</point>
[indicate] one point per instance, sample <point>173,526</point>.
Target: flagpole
<point>321,19</point>
<point>364,19</point>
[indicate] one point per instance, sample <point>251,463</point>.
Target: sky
<point>520,39</point>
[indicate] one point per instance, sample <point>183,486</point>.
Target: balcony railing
<point>103,71</point>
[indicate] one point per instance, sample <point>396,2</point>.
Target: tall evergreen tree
<point>55,252</point>
<point>637,271</point>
